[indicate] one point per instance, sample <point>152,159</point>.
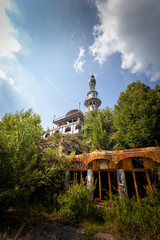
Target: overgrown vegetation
<point>98,129</point>
<point>133,219</point>
<point>134,122</point>
<point>33,178</point>
<point>75,204</point>
<point>27,175</point>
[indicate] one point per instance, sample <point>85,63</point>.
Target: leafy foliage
<point>75,204</point>
<point>20,135</point>
<point>26,176</point>
<point>137,116</point>
<point>98,129</point>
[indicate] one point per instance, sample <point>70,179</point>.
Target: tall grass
<point>133,218</point>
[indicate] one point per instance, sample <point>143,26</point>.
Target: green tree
<point>98,129</point>
<point>20,135</point>
<point>137,116</point>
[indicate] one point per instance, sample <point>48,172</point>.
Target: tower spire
<point>92,101</point>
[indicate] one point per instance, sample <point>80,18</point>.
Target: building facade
<point>70,123</point>
<point>125,173</point>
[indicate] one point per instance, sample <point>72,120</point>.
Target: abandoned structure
<point>70,123</point>
<point>125,172</point>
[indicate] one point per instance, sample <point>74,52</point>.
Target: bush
<point>141,219</point>
<point>75,204</point>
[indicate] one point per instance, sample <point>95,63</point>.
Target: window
<point>68,129</point>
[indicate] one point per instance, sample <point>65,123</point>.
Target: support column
<point>89,182</point>
<point>121,183</point>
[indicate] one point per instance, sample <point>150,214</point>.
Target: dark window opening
<point>141,180</point>
<point>154,178</point>
<point>68,129</point>
<point>114,185</point>
<point>84,175</point>
<point>69,152</point>
<point>137,162</point>
<point>104,186</point>
<point>130,184</point>
<point>71,176</point>
<point>96,185</point>
<point>78,177</point>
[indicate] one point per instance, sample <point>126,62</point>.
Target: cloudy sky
<point>49,49</point>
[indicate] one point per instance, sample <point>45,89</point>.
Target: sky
<point>49,49</point>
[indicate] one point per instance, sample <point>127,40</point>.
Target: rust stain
<point>117,156</point>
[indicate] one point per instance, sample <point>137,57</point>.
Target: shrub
<point>75,204</point>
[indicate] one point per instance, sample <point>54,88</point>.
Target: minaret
<point>93,101</point>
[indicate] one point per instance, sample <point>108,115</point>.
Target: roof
<point>117,156</point>
<point>69,116</point>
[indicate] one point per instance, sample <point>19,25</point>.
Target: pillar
<point>89,182</point>
<point>121,183</point>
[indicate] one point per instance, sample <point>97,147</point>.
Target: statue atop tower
<point>92,101</point>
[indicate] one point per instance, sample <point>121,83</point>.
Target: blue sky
<point>49,49</point>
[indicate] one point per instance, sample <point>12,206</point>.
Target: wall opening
<point>141,180</point>
<point>114,185</point>
<point>96,185</point>
<point>84,175</point>
<point>154,178</point>
<point>104,185</point>
<point>78,177</point>
<point>68,129</point>
<point>130,184</point>
<point>71,176</point>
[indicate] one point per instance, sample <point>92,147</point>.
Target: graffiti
<point>121,183</point>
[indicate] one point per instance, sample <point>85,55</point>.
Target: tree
<point>137,116</point>
<point>20,135</point>
<point>98,129</point>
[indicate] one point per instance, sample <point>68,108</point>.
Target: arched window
<point>57,131</point>
<point>68,129</point>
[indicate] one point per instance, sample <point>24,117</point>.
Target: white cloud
<point>5,80</point>
<point>131,28</point>
<point>78,63</point>
<point>8,44</point>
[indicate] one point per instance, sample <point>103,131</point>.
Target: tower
<point>92,102</point>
